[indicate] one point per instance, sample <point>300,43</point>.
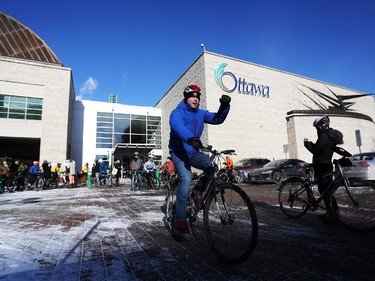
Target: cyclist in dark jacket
<point>46,168</point>
<point>322,152</point>
<point>187,123</point>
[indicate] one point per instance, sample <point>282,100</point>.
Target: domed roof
<point>19,41</point>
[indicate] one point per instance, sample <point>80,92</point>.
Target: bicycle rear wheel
<point>231,223</point>
<point>10,185</point>
<point>355,206</point>
<point>293,197</point>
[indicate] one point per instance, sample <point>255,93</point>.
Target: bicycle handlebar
<point>209,149</point>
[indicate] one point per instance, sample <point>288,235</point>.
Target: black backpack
<point>335,136</point>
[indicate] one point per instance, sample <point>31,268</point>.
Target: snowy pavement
<point>116,234</point>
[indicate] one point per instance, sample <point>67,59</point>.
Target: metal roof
<point>19,41</point>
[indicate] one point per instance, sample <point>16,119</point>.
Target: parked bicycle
<point>355,206</point>
<point>229,218</point>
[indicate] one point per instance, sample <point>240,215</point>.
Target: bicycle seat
<point>341,151</point>
<point>228,151</point>
<point>343,162</point>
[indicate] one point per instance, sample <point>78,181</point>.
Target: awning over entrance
<point>128,150</point>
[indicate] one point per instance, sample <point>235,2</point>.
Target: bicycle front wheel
<point>231,223</point>
<point>38,184</point>
<point>293,197</point>
<point>169,206</point>
<point>109,181</point>
<point>354,206</point>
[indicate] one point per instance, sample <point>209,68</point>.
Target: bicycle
<point>14,182</point>
<point>229,217</point>
<point>36,183</point>
<point>107,180</point>
<point>352,205</point>
<point>135,180</point>
<point>165,179</point>
<point>59,180</point>
<point>149,180</point>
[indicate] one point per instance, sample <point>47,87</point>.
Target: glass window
<point>138,117</point>
<point>105,130</point>
<point>102,124</point>
<point>103,135</point>
<point>33,117</point>
<point>122,116</point>
<point>16,116</point>
<point>21,107</point>
<point>122,126</point>
<point>122,138</point>
<point>138,138</point>
<point>138,127</point>
<point>104,114</point>
<point>156,118</point>
<point>103,145</point>
<point>103,119</point>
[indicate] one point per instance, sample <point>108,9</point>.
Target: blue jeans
<point>183,166</point>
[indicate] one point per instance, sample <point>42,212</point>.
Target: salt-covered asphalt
<point>116,234</point>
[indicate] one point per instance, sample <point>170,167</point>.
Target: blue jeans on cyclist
<point>183,166</point>
<point>139,175</point>
<point>102,178</point>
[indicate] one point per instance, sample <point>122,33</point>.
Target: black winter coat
<point>322,150</point>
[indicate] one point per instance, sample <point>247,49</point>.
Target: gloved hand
<point>225,100</point>
<point>195,142</point>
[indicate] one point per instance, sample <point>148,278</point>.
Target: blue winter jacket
<point>186,122</point>
<point>34,169</point>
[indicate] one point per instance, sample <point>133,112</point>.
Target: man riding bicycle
<point>136,171</point>
<point>187,123</point>
<point>34,171</point>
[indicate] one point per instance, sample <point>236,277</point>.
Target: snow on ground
<point>50,227</point>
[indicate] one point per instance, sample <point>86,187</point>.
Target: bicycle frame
<point>337,176</point>
<point>211,187</point>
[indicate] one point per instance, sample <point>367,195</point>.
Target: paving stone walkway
<point>116,234</point>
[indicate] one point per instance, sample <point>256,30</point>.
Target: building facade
<point>112,131</point>
<point>36,93</point>
<point>272,111</point>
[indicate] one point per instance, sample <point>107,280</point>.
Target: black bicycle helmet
<point>192,91</point>
<point>321,120</point>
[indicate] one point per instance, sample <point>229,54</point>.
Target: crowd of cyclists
<point>148,175</point>
<point>23,175</point>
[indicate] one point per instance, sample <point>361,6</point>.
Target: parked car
<point>278,170</point>
<point>363,166</point>
<point>244,166</point>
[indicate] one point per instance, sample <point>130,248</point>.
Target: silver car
<point>363,166</point>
